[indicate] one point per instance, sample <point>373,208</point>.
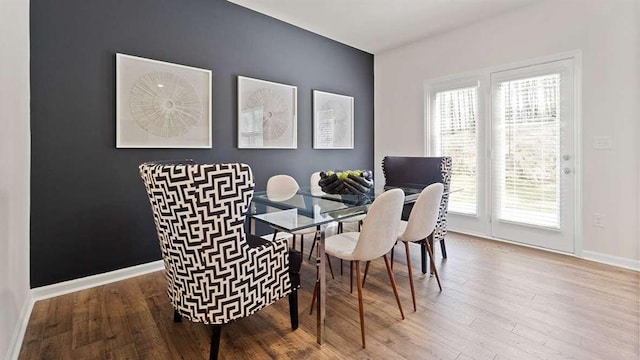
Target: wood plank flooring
<point>499,301</point>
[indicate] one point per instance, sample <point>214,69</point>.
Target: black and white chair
<point>215,272</point>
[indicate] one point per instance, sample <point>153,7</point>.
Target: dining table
<point>307,209</point>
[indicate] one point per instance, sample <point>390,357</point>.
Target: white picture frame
<point>332,121</point>
<point>267,114</point>
<point>161,105</point>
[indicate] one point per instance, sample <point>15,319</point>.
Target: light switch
<point>602,142</point>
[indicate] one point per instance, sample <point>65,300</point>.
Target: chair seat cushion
<point>401,229</point>
<point>342,245</point>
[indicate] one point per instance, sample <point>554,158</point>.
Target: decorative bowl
<point>346,182</point>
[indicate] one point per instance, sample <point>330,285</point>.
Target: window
<point>527,144</point>
<point>454,134</point>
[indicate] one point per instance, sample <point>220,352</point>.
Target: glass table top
<point>306,209</point>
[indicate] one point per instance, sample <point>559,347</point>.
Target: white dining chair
<point>421,224</point>
<point>377,236</point>
<point>284,187</point>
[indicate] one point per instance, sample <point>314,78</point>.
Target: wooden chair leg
<point>313,298</point>
<point>176,316</point>
<point>293,309</point>
<point>433,264</point>
<point>423,256</point>
<point>341,273</point>
<point>393,284</point>
<point>360,304</point>
<point>351,276</point>
<point>432,260</point>
<point>301,245</point>
<point>330,266</point>
<point>443,248</point>
<point>413,291</point>
<point>215,341</point>
<point>313,245</point>
<point>392,253</point>
<point>366,270</point>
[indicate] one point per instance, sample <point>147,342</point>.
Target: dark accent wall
<point>89,211</point>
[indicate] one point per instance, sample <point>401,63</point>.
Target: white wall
<point>14,172</point>
<point>607,34</point>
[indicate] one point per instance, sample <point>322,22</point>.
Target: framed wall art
<point>332,121</point>
<point>267,115</point>
<point>161,105</point>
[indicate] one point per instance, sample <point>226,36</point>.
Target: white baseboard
<point>626,263</point>
<point>70,286</point>
<point>49,291</point>
<point>15,344</point>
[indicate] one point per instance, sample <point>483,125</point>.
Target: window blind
<point>526,157</point>
<point>454,134</point>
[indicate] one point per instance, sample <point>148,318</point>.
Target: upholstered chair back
<point>199,212</point>
<point>424,214</point>
<point>380,226</point>
<point>281,187</point>
<point>316,189</point>
<point>421,172</point>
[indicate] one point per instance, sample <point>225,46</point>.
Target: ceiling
<point>378,25</point>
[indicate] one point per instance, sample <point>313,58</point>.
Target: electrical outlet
<point>598,220</point>
<point>602,142</point>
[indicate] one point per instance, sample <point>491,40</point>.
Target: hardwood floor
<point>499,301</point>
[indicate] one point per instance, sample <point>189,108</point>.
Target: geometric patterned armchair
<point>420,172</point>
<point>215,272</point>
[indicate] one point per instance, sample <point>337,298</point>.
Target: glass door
<point>532,151</point>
